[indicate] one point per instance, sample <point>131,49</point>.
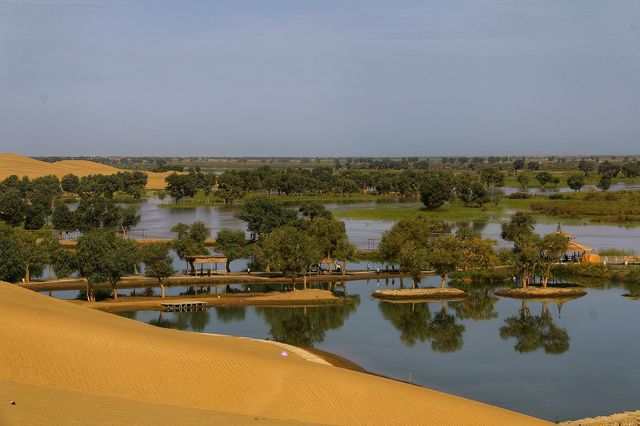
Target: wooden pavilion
<point>204,259</point>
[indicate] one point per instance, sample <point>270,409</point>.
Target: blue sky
<point>334,77</point>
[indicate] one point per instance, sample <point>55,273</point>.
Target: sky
<point>320,77</point>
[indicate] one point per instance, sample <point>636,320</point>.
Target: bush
<point>520,196</point>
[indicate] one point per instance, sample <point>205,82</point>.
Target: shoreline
<point>309,297</point>
<point>136,281</point>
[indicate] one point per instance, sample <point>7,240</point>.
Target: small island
<point>419,294</point>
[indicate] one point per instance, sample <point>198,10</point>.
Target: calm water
<point>157,221</point>
<point>553,360</point>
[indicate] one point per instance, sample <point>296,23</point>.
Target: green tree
<point>129,219</point>
<point>332,239</point>
<point>104,257</point>
<point>445,256</point>
<point>436,190</point>
<point>180,186</point>
<point>70,183</point>
<point>232,244</point>
<point>552,247</point>
<point>63,218</point>
<point>97,212</point>
<point>291,251</point>
<point>157,263</point>
<point>544,178</point>
<point>264,215</point>
<point>313,210</point>
<point>33,254</point>
<point>12,206</point>
<point>419,229</point>
<point>230,187</point>
<point>520,225</point>
<point>575,182</point>
<point>605,182</point>
<point>13,258</point>
<point>190,240</point>
<point>523,180</point>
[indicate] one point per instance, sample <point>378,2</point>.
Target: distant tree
<point>157,263</point>
<point>13,258</point>
<point>575,182</point>
<point>518,164</point>
<point>477,253</point>
<point>181,186</point>
<point>331,237</point>
<point>586,167</point>
<point>605,182</point>
<point>552,247</point>
<point>523,180</point>
<point>533,166</point>
<point>520,225</point>
<point>291,251</point>
<point>264,215</point>
<point>70,183</point>
<point>230,186</point>
<point>413,260</point>
<point>33,254</point>
<point>190,240</point>
<point>12,207</point>
<point>491,177</point>
<point>63,218</point>
<point>418,229</point>
<point>436,190</point>
<point>63,262</point>
<point>232,244</point>
<point>129,219</point>
<point>314,210</point>
<point>445,256</point>
<point>544,178</point>
<point>97,212</point>
<point>104,257</point>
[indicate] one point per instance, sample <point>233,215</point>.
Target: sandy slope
<point>102,368</point>
<point>14,164</point>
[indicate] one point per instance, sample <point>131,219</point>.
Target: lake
<point>553,360</point>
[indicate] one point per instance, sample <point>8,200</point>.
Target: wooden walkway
<point>185,306</point>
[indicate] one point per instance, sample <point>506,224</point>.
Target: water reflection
<point>194,321</point>
<point>479,305</point>
<point>306,326</point>
<point>416,324</point>
<point>533,332</point>
<point>231,314</point>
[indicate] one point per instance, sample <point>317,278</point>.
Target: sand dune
<point>14,164</point>
<point>64,363</point>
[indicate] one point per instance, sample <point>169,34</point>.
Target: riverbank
<point>289,298</point>
<point>64,363</point>
<point>187,281</point>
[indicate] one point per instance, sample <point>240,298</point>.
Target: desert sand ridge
<point>65,363</point>
<point>14,164</point>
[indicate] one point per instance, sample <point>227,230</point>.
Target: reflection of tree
<point>231,314</point>
<point>415,323</point>
<point>446,335</point>
<point>410,319</point>
<point>534,332</point>
<point>307,325</point>
<point>478,306</point>
<point>195,321</point>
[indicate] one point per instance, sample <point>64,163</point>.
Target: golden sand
<point>64,363</point>
<point>14,164</point>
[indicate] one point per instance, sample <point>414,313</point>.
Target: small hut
<point>578,249</point>
<point>196,264</point>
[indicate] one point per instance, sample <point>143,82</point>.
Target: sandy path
<point>48,343</point>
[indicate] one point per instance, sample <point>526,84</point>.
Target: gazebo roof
<point>559,231</point>
<point>576,246</point>
<point>206,258</point>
